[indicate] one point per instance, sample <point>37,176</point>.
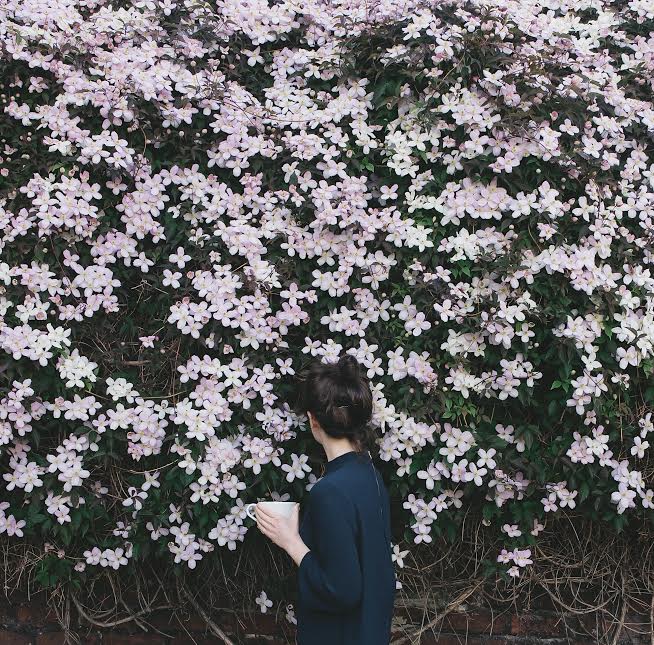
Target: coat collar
<point>346,457</point>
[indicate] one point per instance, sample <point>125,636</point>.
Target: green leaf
<point>584,490</point>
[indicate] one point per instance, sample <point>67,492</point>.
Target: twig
<point>119,621</point>
<point>450,607</point>
<point>623,613</point>
<point>212,626</point>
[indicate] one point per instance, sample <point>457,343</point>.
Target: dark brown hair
<point>339,397</point>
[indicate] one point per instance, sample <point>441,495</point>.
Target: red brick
<point>7,613</point>
<point>59,638</point>
<point>259,624</point>
<point>412,615</point>
<point>110,638</point>
<point>51,638</point>
<point>637,623</point>
<point>456,639</point>
<point>89,638</point>
<point>530,624</point>
<point>13,638</point>
<point>192,622</point>
<point>478,626</point>
<point>35,613</point>
<point>194,639</point>
<point>478,622</point>
<point>429,638</point>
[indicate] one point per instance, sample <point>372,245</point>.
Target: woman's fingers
<point>263,529</point>
<point>265,521</point>
<point>269,525</point>
<point>264,513</point>
<point>269,531</point>
<point>272,518</point>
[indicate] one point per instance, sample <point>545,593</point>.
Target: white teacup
<point>278,508</point>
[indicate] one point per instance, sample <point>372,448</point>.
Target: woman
<point>346,579</point>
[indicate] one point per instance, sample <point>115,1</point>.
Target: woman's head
<point>337,399</point>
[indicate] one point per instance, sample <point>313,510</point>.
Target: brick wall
<point>30,623</point>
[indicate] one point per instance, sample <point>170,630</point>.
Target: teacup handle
<point>247,511</point>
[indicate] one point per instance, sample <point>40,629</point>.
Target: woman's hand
<point>283,531</point>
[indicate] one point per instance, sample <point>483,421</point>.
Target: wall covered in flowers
<point>198,198</point>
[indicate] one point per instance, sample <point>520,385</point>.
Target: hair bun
<point>349,367</point>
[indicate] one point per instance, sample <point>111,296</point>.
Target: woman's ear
<point>315,427</point>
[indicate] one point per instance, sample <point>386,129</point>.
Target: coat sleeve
<point>329,576</point>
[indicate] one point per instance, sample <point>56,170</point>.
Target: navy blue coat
<point>346,583</point>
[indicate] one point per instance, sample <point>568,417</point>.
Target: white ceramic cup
<point>279,508</point>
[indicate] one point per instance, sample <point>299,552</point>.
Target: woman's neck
<point>336,447</point>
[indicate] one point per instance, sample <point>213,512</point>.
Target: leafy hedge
<point>196,198</point>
